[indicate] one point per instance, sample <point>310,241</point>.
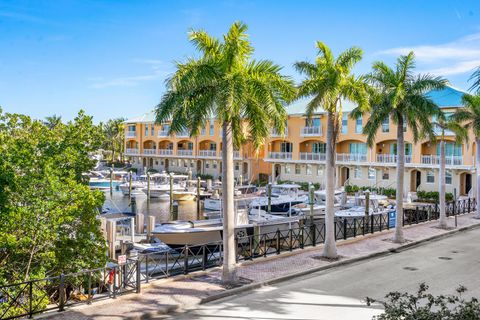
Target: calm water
<point>160,209</point>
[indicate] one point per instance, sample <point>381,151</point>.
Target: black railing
<point>54,293</point>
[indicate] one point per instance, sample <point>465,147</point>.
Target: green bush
<point>432,196</point>
<point>205,176</point>
<point>133,170</point>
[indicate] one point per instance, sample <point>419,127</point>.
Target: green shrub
<point>132,170</point>
<point>205,176</point>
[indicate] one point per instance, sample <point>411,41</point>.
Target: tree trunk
<point>330,247</point>
<point>398,237</point>
<point>229,275</point>
<point>477,161</point>
<point>441,186</point>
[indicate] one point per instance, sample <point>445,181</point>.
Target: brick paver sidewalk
<point>163,296</point>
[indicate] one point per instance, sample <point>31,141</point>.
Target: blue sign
<point>392,215</point>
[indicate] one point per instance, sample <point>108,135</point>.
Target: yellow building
<point>299,154</point>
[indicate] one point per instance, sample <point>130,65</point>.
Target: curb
<point>403,247</point>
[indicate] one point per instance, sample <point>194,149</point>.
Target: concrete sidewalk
<point>185,292</point>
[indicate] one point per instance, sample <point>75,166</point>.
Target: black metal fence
<point>55,293</point>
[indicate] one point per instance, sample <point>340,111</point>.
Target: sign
<point>392,216</point>
<point>122,259</point>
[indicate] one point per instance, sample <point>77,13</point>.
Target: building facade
<point>298,155</point>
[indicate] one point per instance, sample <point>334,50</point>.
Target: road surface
<point>339,293</point>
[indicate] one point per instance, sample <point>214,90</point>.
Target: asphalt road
<point>339,293</point>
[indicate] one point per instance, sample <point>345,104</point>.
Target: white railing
<point>165,152</point>
<point>311,131</point>
<point>183,134</point>
<point>162,134</point>
<point>274,133</point>
<point>131,134</point>
<point>236,154</point>
<point>207,153</point>
<point>392,158</point>
<point>311,156</point>
<point>449,160</point>
<point>131,151</point>
<point>149,151</point>
<point>280,155</point>
<point>186,152</point>
<point>351,157</point>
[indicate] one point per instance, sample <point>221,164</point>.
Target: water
<point>160,209</point>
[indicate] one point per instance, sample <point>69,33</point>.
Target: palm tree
<point>52,121</point>
<point>445,123</point>
<point>114,135</point>
<point>401,96</point>
<point>242,93</point>
<point>476,81</point>
<point>328,82</point>
<point>469,116</point>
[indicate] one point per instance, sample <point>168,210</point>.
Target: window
<point>132,128</point>
<point>313,122</point>
<point>190,146</point>
<point>214,164</point>
<point>170,146</point>
<point>152,130</point>
<point>204,130</point>
<point>297,169</point>
<point>286,147</point>
<point>156,162</point>
<point>372,174</point>
<point>448,177</point>
<point>385,175</point>
<point>430,176</point>
<point>404,126</point>
<point>386,125</point>
<point>319,171</point>
<point>309,169</point>
<point>358,125</point>
<point>287,169</point>
<point>212,127</point>
<point>166,128</point>
<point>207,164</point>
<point>237,167</point>
<point>213,146</point>
<point>408,149</point>
<point>358,148</point>
<point>357,172</point>
<point>345,123</point>
<point>319,147</point>
<point>451,149</point>
<point>146,130</point>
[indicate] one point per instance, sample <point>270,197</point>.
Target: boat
<point>377,204</point>
<point>319,204</point>
<point>183,195</point>
<point>161,187</point>
<point>177,234</point>
<point>283,197</point>
<point>136,185</point>
<point>243,195</point>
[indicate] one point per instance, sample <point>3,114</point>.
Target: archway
<point>415,180</point>
<point>199,167</point>
<point>278,171</point>
<point>344,175</point>
<point>465,183</point>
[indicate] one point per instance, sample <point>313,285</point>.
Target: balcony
<point>165,152</point>
<point>162,134</point>
<point>184,152</point>
<point>311,131</point>
<point>149,151</point>
<point>183,134</point>
<point>351,157</point>
<point>207,153</point>
<point>131,151</point>
<point>435,160</point>
<point>310,156</point>
<point>131,134</point>
<point>392,158</point>
<point>274,133</point>
<point>280,155</point>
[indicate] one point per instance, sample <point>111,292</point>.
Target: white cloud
<point>456,57</point>
<point>157,71</point>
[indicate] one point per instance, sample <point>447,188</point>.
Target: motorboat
<point>377,204</point>
<point>317,208</point>
<point>283,197</point>
<point>137,185</point>
<point>161,186</point>
<point>184,195</point>
<point>243,195</point>
<point>177,234</point>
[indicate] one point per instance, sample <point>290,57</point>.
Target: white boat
<point>377,204</point>
<point>283,197</point>
<point>137,185</point>
<point>243,196</point>
<point>161,186</point>
<point>184,195</point>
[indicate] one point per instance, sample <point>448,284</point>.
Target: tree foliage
<point>48,219</point>
<point>113,131</point>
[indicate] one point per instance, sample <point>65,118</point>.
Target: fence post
<point>139,275</point>
<point>302,237</point>
<point>344,228</point>
<point>61,292</point>
<point>380,216</point>
<point>371,223</point>
<point>114,290</point>
<point>290,240</point>
<point>416,214</point>
<point>354,227</point>
<point>250,247</point>
<point>363,225</point>
<point>314,234</point>
<point>205,257</point>
<point>185,262</point>
<point>468,205</point>
<point>278,241</point>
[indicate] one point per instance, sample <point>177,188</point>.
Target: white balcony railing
<point>131,134</point>
<point>280,155</point>
<point>131,151</point>
<point>162,134</point>
<point>184,152</point>
<point>351,157</point>
<point>149,151</point>
<point>207,153</point>
<point>392,158</point>
<point>165,152</point>
<point>449,160</point>
<point>274,133</point>
<point>311,131</point>
<point>311,156</point>
<point>183,134</point>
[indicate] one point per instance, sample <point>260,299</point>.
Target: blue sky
<point>111,57</point>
